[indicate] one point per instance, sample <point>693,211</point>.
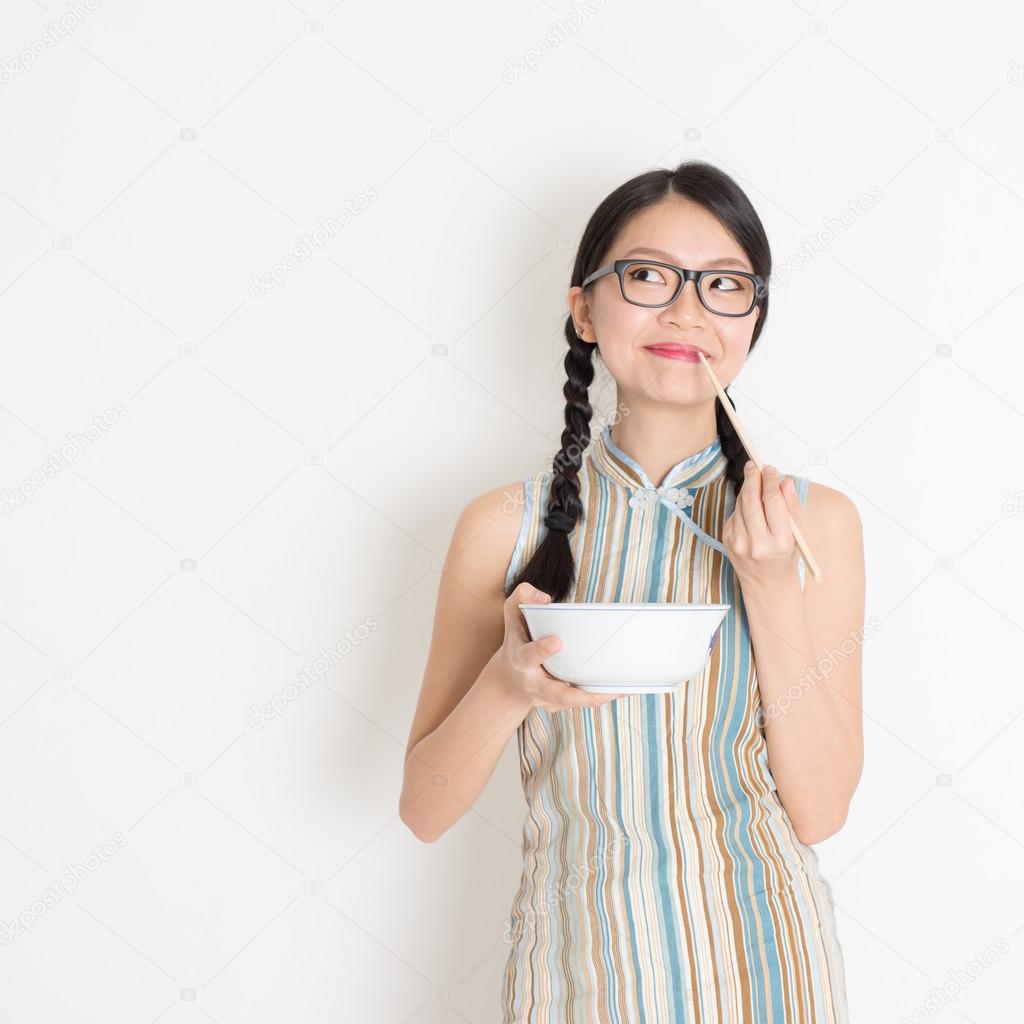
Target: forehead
<point>682,228</point>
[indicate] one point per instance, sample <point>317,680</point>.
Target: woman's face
<point>689,236</point>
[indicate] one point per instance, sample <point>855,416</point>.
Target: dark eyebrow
<point>725,261</point>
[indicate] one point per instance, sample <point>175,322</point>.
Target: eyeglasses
<point>654,284</point>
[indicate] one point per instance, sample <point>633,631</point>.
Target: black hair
<point>551,568</point>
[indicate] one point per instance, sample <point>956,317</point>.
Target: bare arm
<point>807,648</point>
<point>484,674</point>
<point>448,769</point>
<point>464,716</point>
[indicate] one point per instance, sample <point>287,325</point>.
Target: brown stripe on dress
<point>586,772</point>
<point>583,555</point>
<point>702,904</point>
<point>680,889</point>
<point>675,543</point>
<point>718,830</point>
<point>609,742</point>
<point>538,830</point>
<point>558,721</point>
<point>593,950</point>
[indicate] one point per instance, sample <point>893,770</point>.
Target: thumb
<point>538,651</point>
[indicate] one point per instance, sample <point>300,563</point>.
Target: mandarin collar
<point>693,471</point>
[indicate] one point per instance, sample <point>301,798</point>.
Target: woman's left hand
<point>757,536</point>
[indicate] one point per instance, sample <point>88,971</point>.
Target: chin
<point>679,381</point>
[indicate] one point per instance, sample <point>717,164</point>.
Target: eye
<point>729,283</point>
<point>646,275</point>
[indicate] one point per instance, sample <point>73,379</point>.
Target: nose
<point>687,305</point>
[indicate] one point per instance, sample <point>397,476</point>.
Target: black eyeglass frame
<point>618,267</point>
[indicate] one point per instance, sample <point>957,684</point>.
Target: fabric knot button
<point>641,499</point>
<point>679,496</point>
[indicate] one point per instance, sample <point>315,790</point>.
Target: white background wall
<point>272,471</point>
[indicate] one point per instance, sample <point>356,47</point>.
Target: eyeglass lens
<point>651,285</point>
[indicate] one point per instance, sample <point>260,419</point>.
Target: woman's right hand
<point>521,659</point>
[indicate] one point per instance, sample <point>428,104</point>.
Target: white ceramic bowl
<point>627,648</point>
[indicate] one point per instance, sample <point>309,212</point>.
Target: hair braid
<point>552,567</point>
<point>732,447</point>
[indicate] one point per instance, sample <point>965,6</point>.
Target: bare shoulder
<point>469,618</point>
<point>486,534</point>
<point>832,527</point>
<point>831,513</point>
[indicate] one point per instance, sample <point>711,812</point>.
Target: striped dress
<point>662,879</point>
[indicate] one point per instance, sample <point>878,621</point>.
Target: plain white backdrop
<point>282,288</point>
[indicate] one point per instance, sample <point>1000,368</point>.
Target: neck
<point>659,437</point>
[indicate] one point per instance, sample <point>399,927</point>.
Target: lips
<point>678,351</point>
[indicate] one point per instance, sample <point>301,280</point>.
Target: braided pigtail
<point>732,447</point>
<point>551,567</point>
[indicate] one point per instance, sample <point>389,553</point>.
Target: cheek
<point>621,330</point>
<point>735,342</point>
<point>623,323</point>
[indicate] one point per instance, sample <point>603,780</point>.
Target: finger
<point>776,510</point>
<point>526,593</point>
<point>562,693</point>
<point>789,492</point>
<point>515,621</point>
<point>740,539</point>
<point>534,653</point>
<point>573,697</point>
<point>751,506</point>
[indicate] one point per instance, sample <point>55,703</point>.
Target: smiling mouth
<point>673,350</point>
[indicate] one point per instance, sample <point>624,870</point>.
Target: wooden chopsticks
<point>731,413</point>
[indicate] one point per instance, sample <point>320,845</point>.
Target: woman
<point>668,873</point>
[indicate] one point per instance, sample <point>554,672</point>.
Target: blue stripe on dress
<point>631,943</point>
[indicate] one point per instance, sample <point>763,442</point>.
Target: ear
<point>579,310</point>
